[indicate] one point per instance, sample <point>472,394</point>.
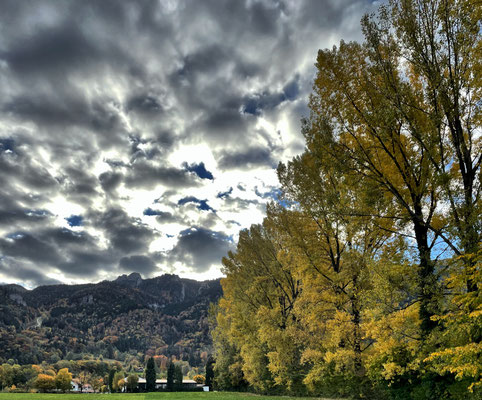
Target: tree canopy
<point>365,279</point>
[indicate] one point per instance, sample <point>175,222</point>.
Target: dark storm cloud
<point>144,104</point>
<point>80,182</point>
<point>15,215</point>
<point>87,263</point>
<point>167,217</point>
<point>31,275</point>
<point>204,60</point>
<point>138,263</point>
<point>18,167</point>
<point>26,246</point>
<point>256,104</point>
<point>163,217</point>
<point>126,234</point>
<point>47,111</point>
<point>55,248</point>
<point>165,139</point>
<point>245,159</point>
<point>225,122</point>
<point>61,113</point>
<point>60,47</point>
<point>147,174</point>
<point>110,180</point>
<point>76,254</point>
<point>20,210</point>
<point>199,248</point>
<point>66,37</point>
<point>62,237</point>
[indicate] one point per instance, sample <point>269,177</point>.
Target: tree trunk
<point>356,319</point>
<point>426,280</point>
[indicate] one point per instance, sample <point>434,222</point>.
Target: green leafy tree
<point>121,384</point>
<point>229,364</point>
<point>260,295</point>
<point>84,377</point>
<point>118,382</point>
<point>45,383</point>
<point>6,376</point>
<point>63,380</point>
<point>97,383</point>
<point>132,381</point>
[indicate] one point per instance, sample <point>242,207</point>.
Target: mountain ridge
<point>129,316</point>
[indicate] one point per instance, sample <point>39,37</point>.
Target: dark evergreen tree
<point>111,379</point>
<point>210,372</point>
<point>177,377</point>
<point>110,352</point>
<point>150,375</point>
<point>171,371</point>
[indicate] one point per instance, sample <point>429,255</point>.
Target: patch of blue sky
<point>75,220</point>
<point>7,145</point>
<point>200,170</point>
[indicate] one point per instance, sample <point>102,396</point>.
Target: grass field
<point>142,396</point>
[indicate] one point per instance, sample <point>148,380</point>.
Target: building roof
<point>163,381</point>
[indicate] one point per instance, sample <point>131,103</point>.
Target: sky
<point>141,136</point>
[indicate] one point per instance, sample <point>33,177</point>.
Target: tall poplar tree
<point>366,276</point>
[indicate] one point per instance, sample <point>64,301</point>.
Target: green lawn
<point>141,396</point>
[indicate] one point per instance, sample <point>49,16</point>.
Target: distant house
<point>87,388</point>
<point>162,384</point>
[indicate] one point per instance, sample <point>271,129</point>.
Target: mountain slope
<point>116,319</point>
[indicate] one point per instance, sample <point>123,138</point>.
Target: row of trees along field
<point>364,278</point>
<point>99,375</point>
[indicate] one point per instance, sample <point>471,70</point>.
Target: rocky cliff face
<point>130,315</point>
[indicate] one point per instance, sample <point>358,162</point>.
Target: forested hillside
<point>364,279</point>
<point>122,319</point>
